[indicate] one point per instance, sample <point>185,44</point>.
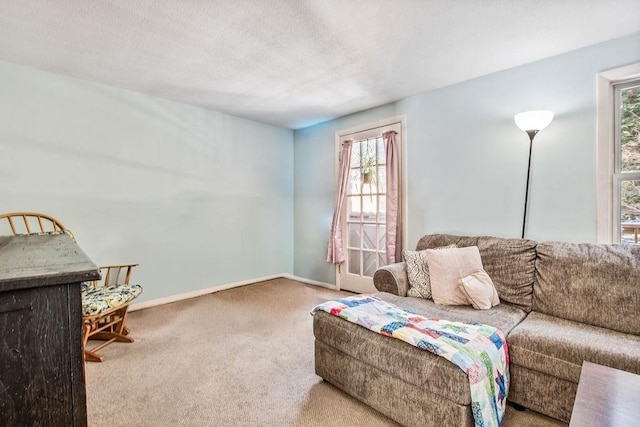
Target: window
<point>626,178</point>
<point>619,155</point>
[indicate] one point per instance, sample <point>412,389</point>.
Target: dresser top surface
<point>39,260</point>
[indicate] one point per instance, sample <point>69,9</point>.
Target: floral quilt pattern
<point>479,350</point>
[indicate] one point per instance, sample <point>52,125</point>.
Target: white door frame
<point>402,120</point>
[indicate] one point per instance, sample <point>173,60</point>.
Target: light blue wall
<point>467,160</point>
<point>197,197</point>
<point>201,198</point>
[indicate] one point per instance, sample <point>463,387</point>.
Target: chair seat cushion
<point>103,298</point>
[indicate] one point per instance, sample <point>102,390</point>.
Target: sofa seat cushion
<point>558,347</point>
<point>420,368</point>
<point>103,298</point>
<point>504,316</point>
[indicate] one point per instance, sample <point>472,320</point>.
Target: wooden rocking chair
<point>104,308</point>
<point>104,302</point>
<point>31,223</point>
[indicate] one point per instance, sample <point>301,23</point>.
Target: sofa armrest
<point>392,278</point>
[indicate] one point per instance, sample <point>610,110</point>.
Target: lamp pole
<point>532,134</point>
<point>531,122</point>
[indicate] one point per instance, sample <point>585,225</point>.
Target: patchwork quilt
<point>479,350</point>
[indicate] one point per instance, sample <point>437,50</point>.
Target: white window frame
<point>607,162</point>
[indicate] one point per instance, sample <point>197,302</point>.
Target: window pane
<point>369,236</point>
<point>354,262</point>
<point>630,128</point>
<point>355,155</point>
<point>369,208</point>
<point>382,238</point>
<point>382,156</point>
<point>372,145</point>
<point>382,179</point>
<point>368,162</point>
<point>369,263</point>
<point>355,184</point>
<point>629,211</point>
<point>354,235</point>
<point>382,209</point>
<point>353,207</point>
<point>382,261</point>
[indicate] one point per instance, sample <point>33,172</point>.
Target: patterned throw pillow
<point>418,272</point>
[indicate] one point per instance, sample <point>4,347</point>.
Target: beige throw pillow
<point>418,272</point>
<point>480,291</point>
<point>446,268</point>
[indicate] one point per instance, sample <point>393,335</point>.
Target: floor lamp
<point>531,122</point>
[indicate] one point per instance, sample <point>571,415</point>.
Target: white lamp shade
<point>533,120</point>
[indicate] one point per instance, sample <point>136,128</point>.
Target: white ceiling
<point>293,63</point>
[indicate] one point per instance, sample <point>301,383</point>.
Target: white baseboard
<point>308,281</point>
<point>213,289</point>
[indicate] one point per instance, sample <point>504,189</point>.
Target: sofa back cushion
<point>509,262</point>
<point>589,283</point>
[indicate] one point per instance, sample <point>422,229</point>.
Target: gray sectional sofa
<point>561,304</point>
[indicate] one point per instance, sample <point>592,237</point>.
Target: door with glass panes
<point>363,215</point>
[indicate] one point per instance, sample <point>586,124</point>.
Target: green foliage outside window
<point>630,152</point>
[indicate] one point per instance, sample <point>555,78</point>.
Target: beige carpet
<point>240,357</point>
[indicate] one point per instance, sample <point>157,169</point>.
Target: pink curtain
<point>394,217</point>
<point>335,253</point>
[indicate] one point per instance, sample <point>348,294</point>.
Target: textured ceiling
<point>293,63</point>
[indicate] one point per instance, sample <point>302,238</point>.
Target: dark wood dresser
<point>41,355</point>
